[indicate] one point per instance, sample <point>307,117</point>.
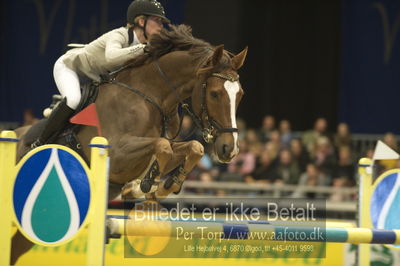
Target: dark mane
<point>177,38</point>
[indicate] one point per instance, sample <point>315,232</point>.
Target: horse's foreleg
<point>135,150</point>
<point>163,154</point>
<point>192,152</point>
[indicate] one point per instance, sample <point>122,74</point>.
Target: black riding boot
<point>57,120</point>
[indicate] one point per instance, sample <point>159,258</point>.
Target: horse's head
<point>215,100</point>
<point>208,73</point>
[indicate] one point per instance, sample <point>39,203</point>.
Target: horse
<point>138,113</point>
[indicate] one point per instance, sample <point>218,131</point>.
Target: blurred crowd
<point>274,154</point>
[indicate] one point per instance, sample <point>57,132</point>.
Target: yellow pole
<point>8,146</point>
<point>99,175</point>
<point>364,220</point>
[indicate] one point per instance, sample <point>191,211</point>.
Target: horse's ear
<point>215,58</point>
<point>238,60</point>
<point>218,52</point>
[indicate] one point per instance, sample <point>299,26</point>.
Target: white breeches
<point>67,82</point>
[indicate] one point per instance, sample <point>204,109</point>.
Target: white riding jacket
<point>105,54</point>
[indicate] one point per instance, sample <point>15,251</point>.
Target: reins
<point>165,117</point>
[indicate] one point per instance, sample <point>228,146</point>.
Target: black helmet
<point>145,7</point>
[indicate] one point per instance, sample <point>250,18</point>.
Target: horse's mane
<point>177,38</point>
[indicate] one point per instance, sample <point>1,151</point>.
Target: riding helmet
<point>145,7</point>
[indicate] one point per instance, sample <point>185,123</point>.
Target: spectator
<point>205,164</point>
<point>29,118</point>
<point>273,146</point>
<point>251,137</point>
<point>338,184</point>
<point>344,175</point>
<point>299,153</point>
<point>378,169</point>
<point>286,134</point>
<point>256,149</point>
<point>253,142</point>
<point>369,153</point>
<point>310,137</point>
<point>324,156</point>
<point>268,125</point>
<point>205,177</point>
<point>264,171</point>
<point>287,171</point>
<point>389,139</point>
<point>241,125</point>
<point>312,177</point>
<point>242,165</point>
<point>345,168</point>
<point>342,136</point>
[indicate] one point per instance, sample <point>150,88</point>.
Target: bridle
<point>208,125</point>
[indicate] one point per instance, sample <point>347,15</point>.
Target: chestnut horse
<point>138,113</point>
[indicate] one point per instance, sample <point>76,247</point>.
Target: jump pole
<point>245,231</point>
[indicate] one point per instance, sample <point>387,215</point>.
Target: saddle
<point>67,136</point>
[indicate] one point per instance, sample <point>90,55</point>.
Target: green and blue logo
<point>385,207</point>
<point>51,195</point>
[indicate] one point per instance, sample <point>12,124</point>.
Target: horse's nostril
<point>225,149</point>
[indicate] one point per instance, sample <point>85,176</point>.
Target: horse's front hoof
<point>173,180</point>
<point>146,185</point>
<point>169,182</point>
<point>177,192</point>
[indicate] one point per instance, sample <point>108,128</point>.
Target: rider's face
<point>154,25</point>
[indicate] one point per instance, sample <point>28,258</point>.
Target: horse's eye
<point>214,94</point>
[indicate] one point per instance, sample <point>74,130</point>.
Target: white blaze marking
<point>232,88</point>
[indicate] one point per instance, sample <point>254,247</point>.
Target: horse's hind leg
<point>192,152</point>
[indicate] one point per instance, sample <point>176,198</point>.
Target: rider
<point>105,54</point>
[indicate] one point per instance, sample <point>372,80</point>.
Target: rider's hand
<point>137,49</point>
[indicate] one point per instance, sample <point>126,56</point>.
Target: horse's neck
<point>173,83</point>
